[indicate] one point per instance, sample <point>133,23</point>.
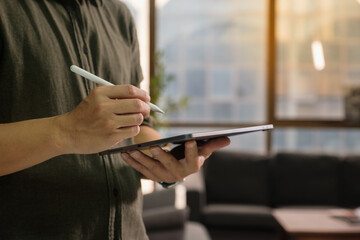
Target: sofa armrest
<point>164,218</point>
<point>195,195</point>
<point>195,200</point>
<point>159,199</point>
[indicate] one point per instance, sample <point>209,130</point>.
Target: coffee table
<point>315,224</point>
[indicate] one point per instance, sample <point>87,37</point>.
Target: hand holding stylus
<point>107,116</point>
<point>101,81</point>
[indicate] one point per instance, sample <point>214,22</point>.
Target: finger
<point>167,160</point>
<point>126,91</point>
<point>151,164</point>
<point>213,145</point>
<point>126,132</point>
<point>192,156</point>
<point>156,167</point>
<point>139,167</point>
<point>125,106</point>
<point>128,120</point>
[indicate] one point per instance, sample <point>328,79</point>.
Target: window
<point>216,52</point>
<point>329,140</point>
<point>317,76</point>
<point>318,57</point>
<point>294,63</point>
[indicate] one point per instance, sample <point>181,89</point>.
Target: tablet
<point>180,139</point>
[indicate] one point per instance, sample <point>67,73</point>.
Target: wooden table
<point>311,224</point>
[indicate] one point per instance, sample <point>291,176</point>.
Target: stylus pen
<point>101,81</point>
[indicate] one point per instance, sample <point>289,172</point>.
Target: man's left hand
<point>163,166</point>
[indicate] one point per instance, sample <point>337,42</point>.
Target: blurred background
<point>292,63</point>
<point>236,63</point>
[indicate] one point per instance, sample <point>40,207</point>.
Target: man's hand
<point>164,167</point>
<point>108,115</point>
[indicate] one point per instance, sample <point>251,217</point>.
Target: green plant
<point>158,83</point>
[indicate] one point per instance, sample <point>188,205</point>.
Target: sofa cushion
<point>350,182</point>
<point>160,198</point>
<point>164,217</point>
<point>305,179</point>
<point>238,216</point>
<point>233,177</point>
<point>195,230</point>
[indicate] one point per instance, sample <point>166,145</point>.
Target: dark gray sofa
<point>164,221</point>
<point>235,193</point>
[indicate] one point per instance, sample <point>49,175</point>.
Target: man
<point>53,185</point>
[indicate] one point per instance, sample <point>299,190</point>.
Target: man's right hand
<point>108,115</point>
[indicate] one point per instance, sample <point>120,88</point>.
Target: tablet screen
<point>180,139</point>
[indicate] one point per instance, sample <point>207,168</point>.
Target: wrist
<point>61,135</point>
<point>170,185</point>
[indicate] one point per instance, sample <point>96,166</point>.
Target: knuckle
<point>135,130</point>
<point>107,124</point>
<point>139,118</point>
<point>153,167</point>
<point>131,90</point>
<point>100,108</point>
<point>138,104</point>
<point>147,111</point>
<point>97,91</point>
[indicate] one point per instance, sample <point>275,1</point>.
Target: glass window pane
<point>195,111</point>
<point>330,141</point>
<point>216,49</point>
<point>221,84</point>
<point>318,49</point>
<point>195,83</point>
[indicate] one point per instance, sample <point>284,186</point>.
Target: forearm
<point>147,134</point>
<point>27,143</point>
<point>108,115</point>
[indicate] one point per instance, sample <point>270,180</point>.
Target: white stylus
<point>101,81</point>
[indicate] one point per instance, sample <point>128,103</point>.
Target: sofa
<point>164,221</point>
<point>235,193</point>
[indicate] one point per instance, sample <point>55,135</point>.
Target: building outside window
<point>318,66</point>
<point>218,53</point>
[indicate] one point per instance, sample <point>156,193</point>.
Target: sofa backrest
<point>285,179</point>
<point>233,177</point>
<point>350,182</point>
<point>305,179</point>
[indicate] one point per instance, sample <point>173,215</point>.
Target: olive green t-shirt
<point>70,196</point>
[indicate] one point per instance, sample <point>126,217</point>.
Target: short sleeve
<point>136,71</point>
